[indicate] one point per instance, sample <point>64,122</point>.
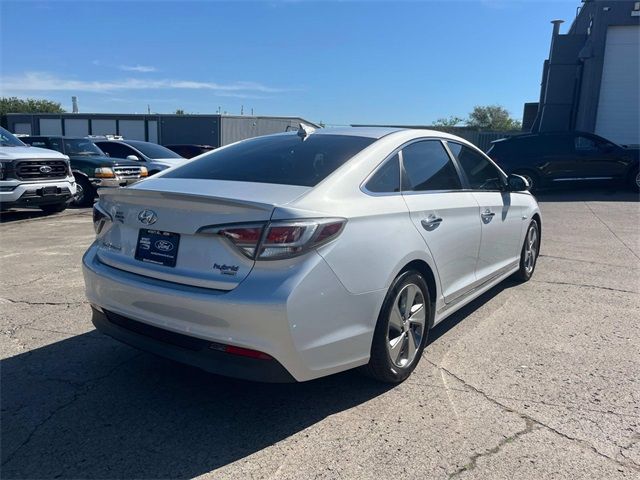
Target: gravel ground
<point>538,380</point>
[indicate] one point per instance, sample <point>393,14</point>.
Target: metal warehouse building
<point>591,81</point>
<point>215,130</point>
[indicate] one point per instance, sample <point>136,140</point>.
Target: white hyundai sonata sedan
<point>293,256</point>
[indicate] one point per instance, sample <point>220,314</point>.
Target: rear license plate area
<point>157,247</point>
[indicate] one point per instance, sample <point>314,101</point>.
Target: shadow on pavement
<point>450,322</point>
<point>9,216</point>
<point>88,407</point>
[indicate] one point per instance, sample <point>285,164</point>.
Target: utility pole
<point>148,109</point>
<point>241,109</point>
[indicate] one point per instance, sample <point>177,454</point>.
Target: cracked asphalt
<point>539,380</point>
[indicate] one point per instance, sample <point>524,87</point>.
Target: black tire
<point>634,180</point>
<point>532,177</point>
<point>526,270</point>
<point>54,208</point>
<point>85,192</point>
<point>381,367</point>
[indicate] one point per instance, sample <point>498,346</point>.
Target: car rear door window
<point>387,178</point>
<point>427,167</point>
<point>480,172</point>
<point>285,159</point>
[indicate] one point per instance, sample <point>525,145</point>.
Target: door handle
<point>488,213</point>
<point>430,222</point>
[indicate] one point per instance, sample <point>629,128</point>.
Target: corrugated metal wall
<point>234,129</point>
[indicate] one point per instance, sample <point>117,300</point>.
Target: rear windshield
<point>281,159</point>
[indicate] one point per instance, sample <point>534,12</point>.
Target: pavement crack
<point>27,302</point>
<point>629,464</point>
<point>586,285</point>
<point>86,387</point>
<point>530,426</point>
<point>611,231</point>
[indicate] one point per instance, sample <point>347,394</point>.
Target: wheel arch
<point>80,173</point>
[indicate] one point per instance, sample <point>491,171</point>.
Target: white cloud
<point>47,82</point>
<point>138,68</point>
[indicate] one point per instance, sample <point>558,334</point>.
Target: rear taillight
<point>245,237</point>
<point>288,239</point>
<point>280,239</point>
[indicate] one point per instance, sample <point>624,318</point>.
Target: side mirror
<point>517,183</point>
<point>133,157</point>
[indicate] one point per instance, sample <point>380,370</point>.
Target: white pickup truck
<point>33,177</point>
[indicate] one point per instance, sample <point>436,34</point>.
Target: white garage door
<point>619,104</point>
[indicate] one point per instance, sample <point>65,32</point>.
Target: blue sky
<point>337,62</point>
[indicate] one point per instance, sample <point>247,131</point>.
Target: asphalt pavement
<point>538,380</point>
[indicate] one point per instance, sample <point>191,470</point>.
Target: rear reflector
<point>243,352</point>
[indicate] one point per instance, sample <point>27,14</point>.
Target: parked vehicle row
<point>564,158</point>
<point>33,177</point>
<point>91,167</point>
<point>293,256</point>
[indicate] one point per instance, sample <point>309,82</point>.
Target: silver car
<point>293,256</point>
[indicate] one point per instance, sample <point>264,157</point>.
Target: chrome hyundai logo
<point>148,217</point>
<point>45,169</point>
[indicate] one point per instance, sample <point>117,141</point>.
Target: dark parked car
<point>564,158</point>
<point>91,168</point>
<point>190,150</point>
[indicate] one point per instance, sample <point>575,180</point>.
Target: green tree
<point>27,105</point>
<point>492,117</point>
<point>450,121</point>
<point>179,111</point>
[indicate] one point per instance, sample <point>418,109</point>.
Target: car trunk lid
<point>157,225</point>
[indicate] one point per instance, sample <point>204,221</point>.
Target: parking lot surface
<point>537,380</point>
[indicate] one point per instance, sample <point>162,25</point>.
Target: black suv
<point>564,158</point>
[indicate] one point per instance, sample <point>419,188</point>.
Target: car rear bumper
<point>301,316</point>
<point>189,350</point>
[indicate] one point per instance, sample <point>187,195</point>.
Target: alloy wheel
<point>531,249</point>
<point>407,323</point>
